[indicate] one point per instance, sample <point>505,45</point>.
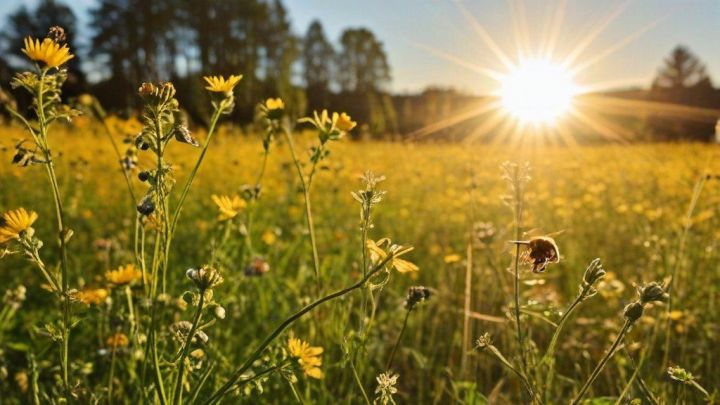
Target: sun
<point>537,91</point>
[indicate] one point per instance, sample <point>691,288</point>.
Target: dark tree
<point>362,63</point>
<point>318,59</point>
<point>682,79</point>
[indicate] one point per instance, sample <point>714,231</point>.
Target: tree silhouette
<point>681,70</point>
<point>318,59</point>
<point>362,63</point>
<point>682,79</point>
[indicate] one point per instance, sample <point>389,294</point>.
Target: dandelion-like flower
<point>308,357</point>
<point>219,84</point>
<point>117,340</point>
<point>378,254</point>
<point>15,223</point>
<point>123,275</point>
<point>274,107</point>
<point>48,51</point>
<point>229,207</point>
<point>331,127</point>
<point>91,296</point>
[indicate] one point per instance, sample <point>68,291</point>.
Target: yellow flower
<point>91,296</point>
<point>229,206</point>
<point>123,275</point>
<point>452,258</point>
<point>343,122</point>
<point>274,104</point>
<point>269,237</point>
<point>47,51</point>
<point>13,223</point>
<point>308,357</point>
<point>218,84</point>
<point>117,340</point>
<point>378,254</point>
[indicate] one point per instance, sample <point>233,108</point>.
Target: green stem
<point>177,397</point>
<point>62,234</point>
<point>284,325</point>
<point>358,381</point>
<point>110,378</point>
<point>397,342</point>
<point>308,209</point>
<point>626,327</point>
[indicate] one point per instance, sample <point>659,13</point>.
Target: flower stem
<point>397,342</point>
<point>626,327</point>
<point>308,209</point>
<point>177,396</point>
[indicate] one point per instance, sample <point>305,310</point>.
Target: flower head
<point>219,84</point>
<point>652,292</point>
<point>308,357</point>
<point>91,296</point>
<point>117,340</point>
<point>48,51</point>
<point>205,277</point>
<point>379,254</point>
<point>123,275</point>
<point>15,223</point>
<point>343,122</point>
<point>229,206</point>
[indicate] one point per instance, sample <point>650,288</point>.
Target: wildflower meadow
<point>145,259</point>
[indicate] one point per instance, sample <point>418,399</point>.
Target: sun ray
<point>479,108</point>
<point>484,35</point>
<point>520,28</point>
<point>617,46</point>
<point>491,123</point>
<point>631,107</point>
<point>493,74</point>
<point>556,21</point>
<point>594,33</point>
<point>601,129</point>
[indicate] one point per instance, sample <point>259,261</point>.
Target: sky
<point>434,43</point>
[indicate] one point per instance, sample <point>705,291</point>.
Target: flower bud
<point>146,206</point>
<point>594,272</point>
<point>633,311</point>
<point>205,277</point>
<point>416,295</point>
<point>653,292</point>
<point>219,312</point>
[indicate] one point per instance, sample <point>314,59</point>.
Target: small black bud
<point>144,175</point>
<point>146,207</point>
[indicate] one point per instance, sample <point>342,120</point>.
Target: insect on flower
<point>542,250</point>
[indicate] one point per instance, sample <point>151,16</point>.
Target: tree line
<point>131,41</point>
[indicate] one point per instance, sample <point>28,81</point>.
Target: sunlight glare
<point>537,91</point>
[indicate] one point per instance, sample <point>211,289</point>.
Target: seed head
<point>594,272</point>
<point>205,277</point>
<point>416,295</point>
<point>653,292</point>
<point>633,311</point>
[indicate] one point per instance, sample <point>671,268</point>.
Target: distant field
<point>627,205</point>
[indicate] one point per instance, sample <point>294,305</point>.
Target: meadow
<point>251,267</point>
